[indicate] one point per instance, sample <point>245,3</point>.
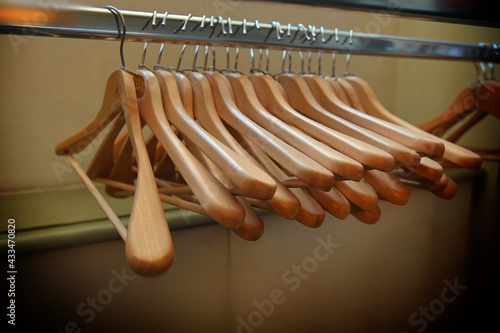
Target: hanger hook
<point>309,61</point>
<point>312,30</point>
<point>183,25</point>
<point>252,58</point>
<point>181,55</point>
<point>244,26</point>
<point>267,61</point>
<point>301,62</point>
<point>286,53</point>
<point>223,27</point>
<point>195,57</point>
<point>162,46</point>
<point>319,64</point>
<point>334,74</point>
<point>236,58</point>
<point>260,59</point>
<point>205,63</point>
<point>230,26</point>
<point>348,62</point>
<point>121,30</point>
<point>143,58</point>
<point>121,33</point>
<point>306,32</point>
<point>160,53</point>
<point>277,26</point>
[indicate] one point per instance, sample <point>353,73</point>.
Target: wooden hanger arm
<point>102,162</point>
<point>110,108</point>
<point>288,157</point>
<point>372,106</point>
<point>358,193</point>
<point>472,120</point>
<point>324,94</point>
<point>370,216</point>
<point>452,152</point>
<point>269,94</point>
<point>303,99</point>
<point>332,201</point>
<point>246,176</point>
<point>388,186</point>
<point>283,202</point>
<point>250,105</point>
<point>356,150</point>
<point>463,104</point>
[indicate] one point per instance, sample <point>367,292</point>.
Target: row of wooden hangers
<point>222,144</point>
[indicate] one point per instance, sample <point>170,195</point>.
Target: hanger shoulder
<point>283,201</point>
<point>289,158</point>
<point>246,176</point>
<point>337,89</point>
<point>278,111</point>
<point>403,136</point>
<point>351,95</point>
<point>452,152</point>
<point>463,104</point>
<point>103,160</point>
<point>349,139</point>
<point>316,150</point>
<point>488,95</point>
<point>109,109</point>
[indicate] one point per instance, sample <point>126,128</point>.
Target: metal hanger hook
<point>143,59</point>
<point>347,63</point>
<point>181,55</point>
<point>122,32</point>
<point>334,74</point>
<point>286,53</point>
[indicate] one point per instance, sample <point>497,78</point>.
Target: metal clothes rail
<point>101,23</point>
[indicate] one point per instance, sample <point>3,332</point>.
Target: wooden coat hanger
<point>480,100</point>
<point>416,143</point>
<point>245,176</point>
<point>271,97</point>
<point>283,201</point>
<point>249,104</point>
<point>452,152</point>
<point>302,99</point>
<point>148,244</point>
<point>217,201</point>
<point>393,190</point>
<point>483,95</point>
<point>252,227</point>
<point>295,162</point>
<point>273,100</point>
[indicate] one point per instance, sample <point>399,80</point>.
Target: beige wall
<point>377,277</point>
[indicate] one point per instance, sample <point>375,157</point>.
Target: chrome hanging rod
<point>100,23</point>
